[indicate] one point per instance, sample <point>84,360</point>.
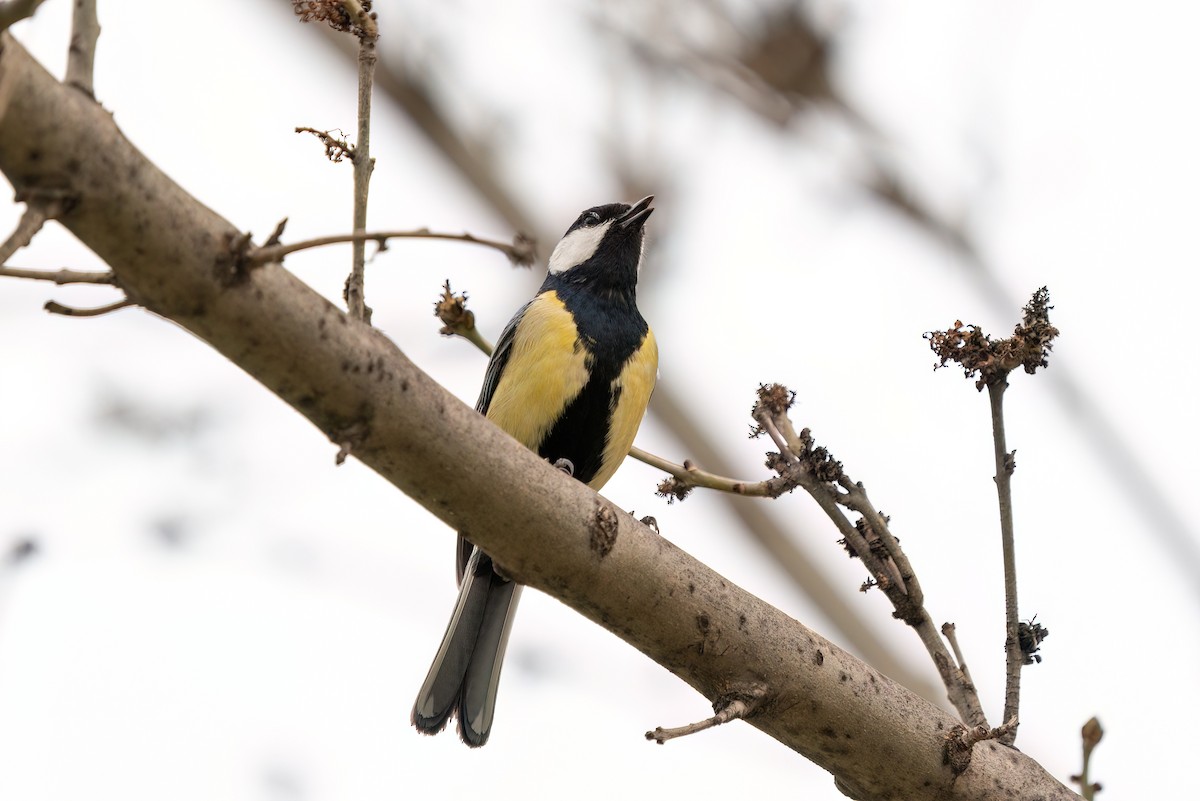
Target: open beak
<point>637,214</point>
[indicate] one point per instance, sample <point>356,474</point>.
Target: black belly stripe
<point>580,434</point>
<point>611,329</point>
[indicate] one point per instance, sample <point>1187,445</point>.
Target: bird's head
<point>604,245</point>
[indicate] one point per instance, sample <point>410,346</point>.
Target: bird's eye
<point>591,218</point>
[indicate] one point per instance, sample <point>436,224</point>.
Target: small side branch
<point>1014,659</point>
<point>733,706</point>
<point>458,320</point>
<point>990,362</point>
<point>81,55</point>
<point>1092,734</point>
<point>687,476</point>
<point>59,277</point>
<point>70,311</point>
<point>519,251</point>
<point>364,164</point>
<point>951,634</point>
<point>801,463</point>
<point>355,17</point>
<point>37,211</point>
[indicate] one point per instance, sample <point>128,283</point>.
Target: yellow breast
<point>546,370</point>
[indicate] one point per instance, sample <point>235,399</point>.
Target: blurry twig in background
<point>1092,734</point>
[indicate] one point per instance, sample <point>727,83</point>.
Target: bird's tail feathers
<point>466,670</point>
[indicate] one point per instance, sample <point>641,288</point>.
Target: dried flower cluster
<point>334,13</point>
<point>992,360</point>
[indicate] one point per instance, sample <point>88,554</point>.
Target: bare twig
<point>801,463</point>
<point>364,164</point>
<point>518,251</point>
<point>733,706</point>
<point>70,311</point>
<point>686,477</point>
<point>950,633</point>
<point>991,362</point>
<point>37,211</point>
<point>1014,659</point>
<point>16,10</point>
<point>458,320</point>
<point>276,235</point>
<point>356,17</point>
<point>1092,734</point>
<point>64,276</point>
<point>81,55</point>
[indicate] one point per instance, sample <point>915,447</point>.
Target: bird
<point>570,379</point>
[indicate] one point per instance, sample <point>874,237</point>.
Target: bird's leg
<point>566,466</point>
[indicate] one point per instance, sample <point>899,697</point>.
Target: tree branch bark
<point>184,262</point>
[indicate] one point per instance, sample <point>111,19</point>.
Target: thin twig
<point>1014,659</point>
<point>1092,734</point>
<point>800,463</point>
<point>55,307</point>
<point>35,216</point>
<point>81,55</point>
<point>950,632</point>
<point>364,164</point>
<point>16,10</point>
<point>64,276</point>
<point>516,251</point>
<point>735,706</point>
<point>687,476</point>
<point>990,362</point>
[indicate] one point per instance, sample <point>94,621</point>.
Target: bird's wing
<point>500,356</point>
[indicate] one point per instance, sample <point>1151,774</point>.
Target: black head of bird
<point>570,379</point>
<point>603,247</point>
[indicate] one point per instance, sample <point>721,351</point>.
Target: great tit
<point>570,379</point>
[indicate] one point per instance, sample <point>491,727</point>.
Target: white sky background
<point>274,652</point>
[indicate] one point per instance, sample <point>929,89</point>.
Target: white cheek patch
<point>577,247</point>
